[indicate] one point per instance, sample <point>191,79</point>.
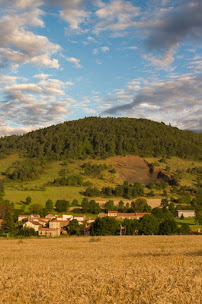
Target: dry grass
<point>139,269</point>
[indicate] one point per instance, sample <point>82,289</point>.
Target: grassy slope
<point>176,163</point>
<point>19,191</point>
<point>39,193</point>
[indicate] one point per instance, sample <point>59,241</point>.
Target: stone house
<point>131,216</point>
<point>50,216</point>
<point>28,217</point>
<point>32,224</point>
<point>185,213</point>
<point>58,224</point>
<point>80,218</point>
<point>49,232</point>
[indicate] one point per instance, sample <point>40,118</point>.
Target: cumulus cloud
<point>115,16</point>
<point>32,105</point>
<point>184,21</point>
<point>75,61</point>
<point>73,12</point>
<point>18,43</point>
<point>173,101</point>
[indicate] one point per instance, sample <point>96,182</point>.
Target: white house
<point>32,224</point>
<point>185,213</point>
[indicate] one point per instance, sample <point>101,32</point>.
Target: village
<point>53,225</point>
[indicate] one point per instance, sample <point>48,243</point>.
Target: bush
<point>184,229</point>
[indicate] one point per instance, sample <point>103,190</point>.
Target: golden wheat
<point>82,270</point>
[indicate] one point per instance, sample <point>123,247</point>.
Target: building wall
<point>186,213</point>
<point>31,225</point>
<point>50,232</point>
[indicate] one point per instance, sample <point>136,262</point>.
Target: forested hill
<point>103,137</point>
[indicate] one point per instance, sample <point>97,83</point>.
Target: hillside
<point>105,137</point>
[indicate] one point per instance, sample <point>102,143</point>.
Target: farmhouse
<point>65,217</point>
<point>50,216</point>
<point>58,224</point>
<point>49,231</point>
<point>130,216</point>
<point>43,221</point>
<point>185,213</point>
<point>32,224</point>
<point>28,217</point>
<point>80,218</point>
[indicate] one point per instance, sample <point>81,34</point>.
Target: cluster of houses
<point>55,225</point>
<point>51,224</point>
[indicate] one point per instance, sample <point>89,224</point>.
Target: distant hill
<point>104,137</point>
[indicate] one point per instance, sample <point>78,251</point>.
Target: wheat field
<point>122,269</point>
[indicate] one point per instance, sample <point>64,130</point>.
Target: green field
<point>39,191</point>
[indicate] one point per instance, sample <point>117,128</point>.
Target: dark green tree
<point>184,229</point>
<point>105,226</point>
<point>49,205</point>
<point>168,227</point>
<point>74,227</point>
<point>8,225</point>
<point>148,225</point>
<point>131,226</point>
<point>109,205</point>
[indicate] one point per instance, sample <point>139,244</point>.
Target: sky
<point>63,60</point>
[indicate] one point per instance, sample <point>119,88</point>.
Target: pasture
<point>120,269</point>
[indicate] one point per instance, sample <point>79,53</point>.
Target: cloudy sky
<point>68,59</point>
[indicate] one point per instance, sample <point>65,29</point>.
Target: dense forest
<point>103,137</point>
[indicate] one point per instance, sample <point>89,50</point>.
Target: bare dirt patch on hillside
<point>153,202</point>
<point>132,168</point>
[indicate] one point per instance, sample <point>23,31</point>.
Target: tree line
<point>103,137</point>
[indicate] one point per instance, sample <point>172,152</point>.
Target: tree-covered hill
<point>104,137</point>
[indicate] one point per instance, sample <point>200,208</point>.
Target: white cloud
<point>32,105</point>
<point>105,49</point>
<point>73,12</point>
<point>41,76</point>
<point>75,61</point>
<point>20,45</point>
<point>116,16</point>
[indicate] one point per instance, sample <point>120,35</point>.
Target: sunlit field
<point>122,269</point>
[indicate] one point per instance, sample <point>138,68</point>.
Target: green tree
<point>184,229</point>
<point>74,227</point>
<point>105,226</point>
<point>28,200</point>
<point>62,205</point>
<point>49,205</point>
<point>168,227</point>
<point>75,202</point>
<point>109,206</point>
<point>132,226</point>
<point>8,225</point>
<point>140,205</point>
<point>35,208</point>
<point>164,202</point>
<point>148,225</point>
<point>2,191</point>
<point>27,232</point>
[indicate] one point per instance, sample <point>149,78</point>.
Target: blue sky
<point>67,59</point>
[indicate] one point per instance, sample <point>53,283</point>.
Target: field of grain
<point>82,270</point>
